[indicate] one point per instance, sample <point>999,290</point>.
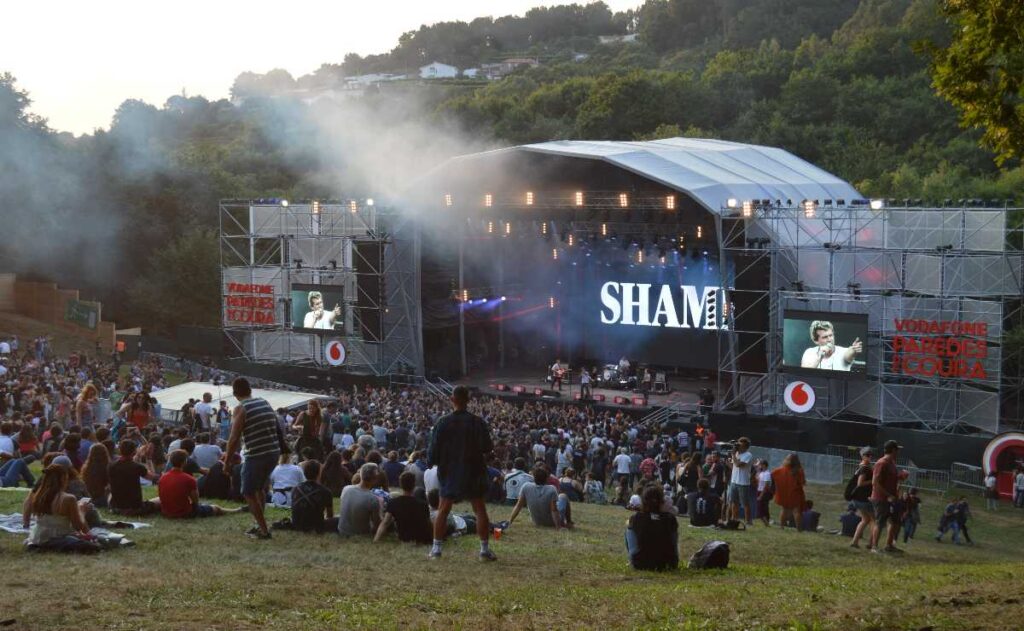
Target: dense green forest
<point>130,213</point>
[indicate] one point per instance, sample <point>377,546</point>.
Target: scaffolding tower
<point>369,252</point>
<point>930,263</point>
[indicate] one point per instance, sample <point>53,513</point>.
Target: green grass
<point>206,574</point>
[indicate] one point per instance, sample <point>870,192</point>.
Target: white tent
<point>171,399</point>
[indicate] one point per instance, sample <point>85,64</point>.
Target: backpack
<point>851,486</point>
<point>712,555</point>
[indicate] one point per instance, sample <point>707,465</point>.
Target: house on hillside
<point>500,69</point>
<point>618,39</point>
<point>438,70</point>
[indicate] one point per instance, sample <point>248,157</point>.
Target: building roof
<point>711,171</point>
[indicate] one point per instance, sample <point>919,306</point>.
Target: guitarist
<point>557,373</point>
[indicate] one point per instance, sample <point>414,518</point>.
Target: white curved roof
<point>712,171</point>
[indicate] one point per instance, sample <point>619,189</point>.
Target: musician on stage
<point>557,372</point>
<point>623,366</point>
<point>585,383</point>
<point>825,354</point>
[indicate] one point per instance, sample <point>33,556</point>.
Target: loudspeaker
<point>541,392</point>
<point>621,400</point>
<point>750,300</point>
<point>371,300</point>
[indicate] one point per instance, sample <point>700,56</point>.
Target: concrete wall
<point>47,303</point>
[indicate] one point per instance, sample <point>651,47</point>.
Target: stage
<point>683,390</point>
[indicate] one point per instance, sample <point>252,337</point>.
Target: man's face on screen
<point>318,304</point>
<point>826,337</point>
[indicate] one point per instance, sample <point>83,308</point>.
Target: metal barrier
<point>818,468</point>
<point>922,479</point>
<point>966,475</point>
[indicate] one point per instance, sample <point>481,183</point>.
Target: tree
<point>981,71</point>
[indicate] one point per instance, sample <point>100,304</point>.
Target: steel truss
<point>270,243</point>
<point>921,263</point>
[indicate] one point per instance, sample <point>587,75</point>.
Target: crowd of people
<point>383,453</point>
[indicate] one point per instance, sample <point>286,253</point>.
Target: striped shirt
<point>259,434</point>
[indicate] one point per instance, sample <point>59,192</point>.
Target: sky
<point>80,60</point>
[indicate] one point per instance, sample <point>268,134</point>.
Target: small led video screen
<point>317,308</point>
<point>825,344</point>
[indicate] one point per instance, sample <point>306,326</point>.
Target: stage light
<point>877,204</point>
<point>809,206</point>
<point>508,228</point>
<point>748,209</point>
<point>369,201</point>
<point>488,200</point>
<point>700,232</point>
<point>529,198</point>
<point>544,228</point>
<point>465,295</point>
<point>731,203</point>
<point>490,227</point>
<point>316,207</point>
<point>604,230</point>
<point>503,299</point>
<point>623,200</point>
<point>554,254</point>
<point>571,240</point>
<point>640,255</point>
<point>661,259</point>
<point>284,203</point>
<point>352,206</point>
<point>551,302</point>
<point>670,202</point>
<point>448,199</point>
<point>579,198</point>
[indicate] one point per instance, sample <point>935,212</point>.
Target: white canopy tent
<point>171,399</point>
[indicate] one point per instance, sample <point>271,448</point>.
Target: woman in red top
<point>137,412</point>
<point>28,444</point>
<point>789,484</point>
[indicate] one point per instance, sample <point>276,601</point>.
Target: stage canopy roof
<point>171,399</point>
<point>710,171</point>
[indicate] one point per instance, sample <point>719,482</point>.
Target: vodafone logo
<point>799,397</point>
<point>334,353</point>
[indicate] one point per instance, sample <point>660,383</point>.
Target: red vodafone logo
<point>799,397</point>
<point>334,353</point>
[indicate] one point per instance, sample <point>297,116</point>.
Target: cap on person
<point>62,460</point>
<point>866,451</point>
<point>891,446</point>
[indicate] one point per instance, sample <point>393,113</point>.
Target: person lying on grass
<point>179,492</point>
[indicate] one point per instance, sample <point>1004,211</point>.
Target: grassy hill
<point>208,575</point>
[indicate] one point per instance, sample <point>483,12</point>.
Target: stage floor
<point>682,390</point>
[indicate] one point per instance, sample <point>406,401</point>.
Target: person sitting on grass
<point>809,518</point>
<point>96,474</point>
<point>652,535</point>
<point>548,508</point>
<point>285,477</point>
<point>59,522</point>
<point>392,469</point>
<point>593,490</point>
<point>333,475</point>
<point>14,470</point>
<point>409,515</point>
<point>849,520</point>
<point>703,506</point>
<point>223,482</point>
<point>179,493</point>
<point>359,512</point>
<point>312,504</point>
<point>125,487</point>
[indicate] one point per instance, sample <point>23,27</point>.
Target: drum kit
<point>611,376</point>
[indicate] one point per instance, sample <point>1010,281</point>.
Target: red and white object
<point>334,353</point>
<point>799,397</point>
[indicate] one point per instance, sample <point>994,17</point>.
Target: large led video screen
<point>662,314</point>
<point>825,343</point>
<point>317,308</point>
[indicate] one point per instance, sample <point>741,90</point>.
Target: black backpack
<point>851,486</point>
<point>712,555</point>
